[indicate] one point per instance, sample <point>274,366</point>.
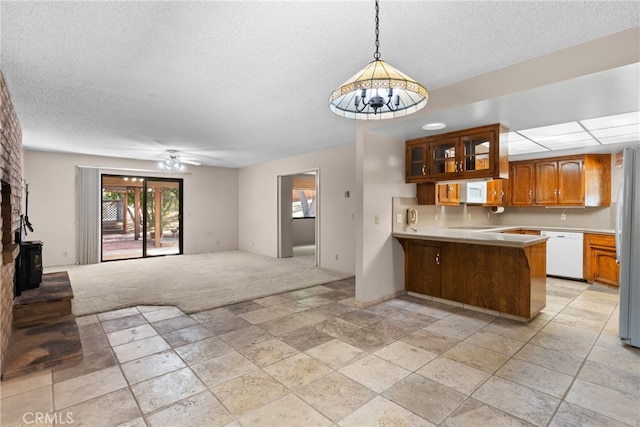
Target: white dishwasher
<point>564,254</point>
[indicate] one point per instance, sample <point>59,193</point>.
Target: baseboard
<point>383,298</point>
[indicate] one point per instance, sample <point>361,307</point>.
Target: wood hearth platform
<point>45,333</point>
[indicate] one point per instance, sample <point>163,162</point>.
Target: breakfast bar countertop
<point>474,237</point>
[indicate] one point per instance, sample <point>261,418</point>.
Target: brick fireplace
<point>12,190</point>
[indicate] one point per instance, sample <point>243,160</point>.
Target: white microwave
<point>473,192</point>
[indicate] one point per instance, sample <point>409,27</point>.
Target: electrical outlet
<point>399,219</point>
<point>353,216</point>
<point>65,253</point>
<point>376,219</point>
<point>436,218</point>
<point>469,215</point>
<point>337,257</point>
<point>563,216</point>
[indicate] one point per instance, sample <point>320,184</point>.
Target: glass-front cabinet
<point>444,156</point>
<point>474,153</point>
<point>478,153</point>
<point>416,158</point>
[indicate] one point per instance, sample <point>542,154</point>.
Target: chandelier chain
<point>376,55</point>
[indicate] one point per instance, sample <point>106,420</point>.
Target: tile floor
<point>310,358</point>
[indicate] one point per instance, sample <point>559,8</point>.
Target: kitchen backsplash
<point>464,215</point>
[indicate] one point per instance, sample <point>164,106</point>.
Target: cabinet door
<point>448,194</point>
<point>422,268</point>
<point>546,179</point>
<point>444,158</point>
<point>521,184</point>
<point>416,161</point>
<point>604,265</point>
<point>600,262</point>
<point>495,192</point>
<point>476,155</point>
<point>571,182</point>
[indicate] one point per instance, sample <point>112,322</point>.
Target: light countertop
<point>492,237</point>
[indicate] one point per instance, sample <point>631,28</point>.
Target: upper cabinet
<point>416,161</point>
<point>447,194</point>
<point>583,180</point>
<point>477,153</point>
<point>497,192</point>
<point>521,182</point>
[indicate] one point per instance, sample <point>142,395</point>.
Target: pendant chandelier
<point>378,91</point>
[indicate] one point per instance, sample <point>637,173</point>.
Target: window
<point>304,196</point>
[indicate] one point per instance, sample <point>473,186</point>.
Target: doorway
<point>140,217</point>
<point>298,215</point>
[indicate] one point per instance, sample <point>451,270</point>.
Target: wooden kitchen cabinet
<point>468,154</point>
<point>426,193</point>
<point>496,192</point>
<point>422,267</point>
<point>600,263</point>
<point>447,194</point>
<point>521,181</point>
<point>583,180</point>
<point>505,279</point>
<point>438,194</point>
<point>523,231</point>
<point>416,153</point>
<point>559,182</point>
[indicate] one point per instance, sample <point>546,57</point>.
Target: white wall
<point>336,214</point>
<point>210,203</point>
<point>380,266</point>
<point>304,231</point>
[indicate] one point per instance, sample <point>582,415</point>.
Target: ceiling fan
<point>174,161</point>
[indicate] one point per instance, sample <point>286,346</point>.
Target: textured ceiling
<point>237,83</point>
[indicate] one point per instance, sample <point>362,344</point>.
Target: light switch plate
<point>399,219</point>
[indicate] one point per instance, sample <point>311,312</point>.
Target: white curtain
<point>89,215</point>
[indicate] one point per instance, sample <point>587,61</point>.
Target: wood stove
<point>28,266</point>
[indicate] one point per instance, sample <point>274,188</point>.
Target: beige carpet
<point>190,282</point>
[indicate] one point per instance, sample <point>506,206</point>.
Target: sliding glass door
<point>141,217</point>
<point>163,217</point>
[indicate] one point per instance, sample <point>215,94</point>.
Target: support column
<point>136,213</point>
<point>158,216</point>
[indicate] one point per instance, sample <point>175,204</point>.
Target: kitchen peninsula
<point>504,273</point>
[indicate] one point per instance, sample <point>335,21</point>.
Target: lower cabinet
<point>505,279</point>
<point>523,231</point>
<point>600,263</point>
<point>422,267</point>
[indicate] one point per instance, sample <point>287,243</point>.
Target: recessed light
<point>434,126</point>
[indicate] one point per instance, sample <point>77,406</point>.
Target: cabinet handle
<point>438,259</point>
<point>422,169</point>
<point>555,192</point>
<point>456,163</point>
<point>559,192</point>
<point>461,166</point>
